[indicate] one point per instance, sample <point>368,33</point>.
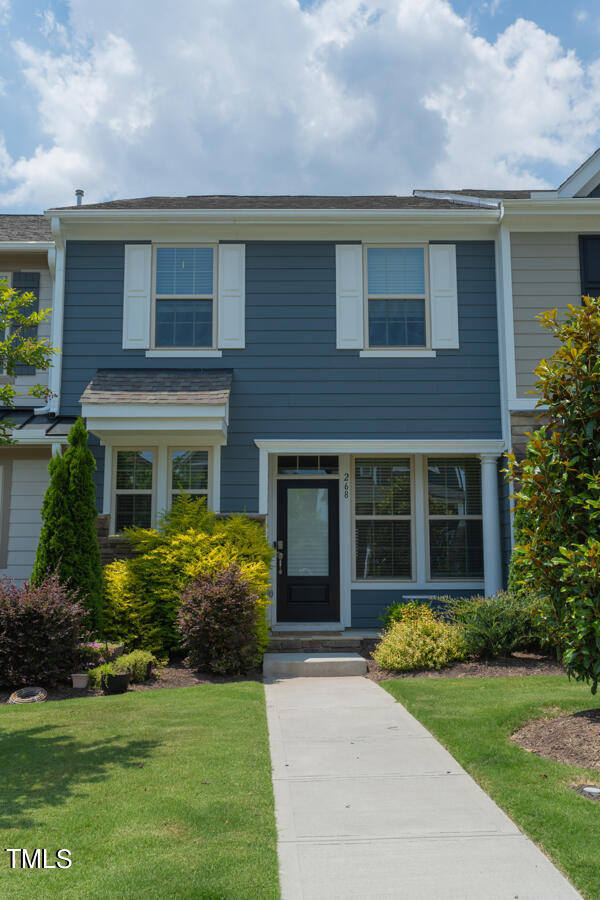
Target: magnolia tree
<point>557,522</point>
<point>19,345</point>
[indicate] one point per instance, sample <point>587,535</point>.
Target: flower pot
<point>80,680</point>
<point>116,684</point>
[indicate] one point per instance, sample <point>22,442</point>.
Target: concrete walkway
<point>369,804</point>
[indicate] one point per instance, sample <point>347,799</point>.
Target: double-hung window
<point>189,473</point>
<point>383,518</point>
<point>455,518</point>
<point>184,285</point>
<point>396,307</point>
<point>134,488</point>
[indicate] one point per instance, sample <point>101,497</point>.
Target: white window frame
<point>439,518</point>
<point>208,492</point>
<point>5,379</point>
<point>355,459</point>
<point>183,351</point>
<point>400,349</point>
<point>119,491</point>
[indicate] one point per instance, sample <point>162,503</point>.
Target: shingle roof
<point>485,194</point>
<point>24,419</point>
<point>186,386</point>
<point>24,228</point>
<point>227,202</point>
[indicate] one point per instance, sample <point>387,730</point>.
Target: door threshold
<point>308,626</point>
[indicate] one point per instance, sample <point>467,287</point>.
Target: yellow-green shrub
<point>143,593</point>
<point>420,642</point>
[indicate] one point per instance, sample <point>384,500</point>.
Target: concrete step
<point>279,665</point>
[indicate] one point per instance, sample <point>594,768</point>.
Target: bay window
<point>134,487</point>
<point>189,473</point>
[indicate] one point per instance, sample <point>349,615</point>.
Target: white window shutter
<point>231,314</point>
<point>349,297</point>
<point>137,296</point>
<point>444,296</point>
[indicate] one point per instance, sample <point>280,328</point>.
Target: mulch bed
<point>517,664</point>
<point>175,674</point>
<point>573,739</point>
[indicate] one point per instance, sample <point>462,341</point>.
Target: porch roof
<point>180,386</point>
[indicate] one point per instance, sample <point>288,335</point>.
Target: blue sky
<point>333,96</point>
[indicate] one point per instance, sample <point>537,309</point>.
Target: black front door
<point>308,585</point>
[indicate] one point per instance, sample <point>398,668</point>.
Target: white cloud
<point>4,11</point>
<point>345,96</point>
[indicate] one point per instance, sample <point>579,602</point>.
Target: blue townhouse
<point>329,363</point>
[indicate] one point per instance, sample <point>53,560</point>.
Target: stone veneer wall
<point>520,424</point>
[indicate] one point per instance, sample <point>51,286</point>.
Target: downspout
<point>56,264</point>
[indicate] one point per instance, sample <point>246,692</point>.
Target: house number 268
<point>346,485</point>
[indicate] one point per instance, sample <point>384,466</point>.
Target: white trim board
<point>361,445</point>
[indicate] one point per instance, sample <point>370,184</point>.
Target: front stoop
<point>281,665</point>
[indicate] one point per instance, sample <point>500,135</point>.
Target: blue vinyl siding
<point>368,606</point>
<point>290,381</point>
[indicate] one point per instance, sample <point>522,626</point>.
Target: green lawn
<point>157,794</point>
<point>474,717</point>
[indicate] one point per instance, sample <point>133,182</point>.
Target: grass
<point>156,794</point>
<point>474,718</point>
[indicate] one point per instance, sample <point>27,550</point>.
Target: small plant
<point>97,677</point>
<point>405,611</point>
<point>139,663</point>
<point>94,653</point>
<point>217,622</point>
<point>420,643</point>
<point>40,630</point>
<point>497,626</point>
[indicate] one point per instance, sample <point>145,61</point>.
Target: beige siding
<point>28,485</point>
<point>24,382</point>
<point>545,275</point>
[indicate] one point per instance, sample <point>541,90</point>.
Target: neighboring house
<point>329,362</point>
<point>27,262</point>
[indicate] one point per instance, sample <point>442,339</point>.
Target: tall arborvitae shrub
<point>68,541</point>
<point>558,503</point>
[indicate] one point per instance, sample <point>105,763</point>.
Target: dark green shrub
<point>40,630</point>
<point>499,625</point>
<point>217,622</point>
<point>68,541</point>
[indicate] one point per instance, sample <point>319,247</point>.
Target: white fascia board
<point>449,447</point>
<point>588,172</point>
<point>23,246</point>
<point>104,426</point>
<point>249,216</point>
<point>151,411</point>
<point>190,438</point>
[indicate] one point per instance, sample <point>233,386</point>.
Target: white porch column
<point>492,552</point>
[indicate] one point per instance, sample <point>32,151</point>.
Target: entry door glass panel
<point>308,531</point>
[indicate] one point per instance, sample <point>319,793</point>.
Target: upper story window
<point>396,310</point>
<point>185,297</point>
<point>589,253</point>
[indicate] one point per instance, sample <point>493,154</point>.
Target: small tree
<point>18,346</point>
<point>68,541</point>
<point>557,553</point>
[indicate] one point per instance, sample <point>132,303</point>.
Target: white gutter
<point>19,246</point>
<point>249,216</point>
<point>56,264</point>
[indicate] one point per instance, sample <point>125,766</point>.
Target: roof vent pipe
<point>79,195</point>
